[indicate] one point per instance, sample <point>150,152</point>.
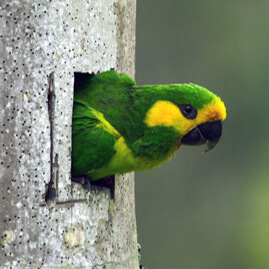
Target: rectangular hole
<point>81,79</point>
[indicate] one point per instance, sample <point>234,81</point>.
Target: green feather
<point>109,133</point>
<point>93,147</point>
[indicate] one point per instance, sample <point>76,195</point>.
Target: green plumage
<point>109,130</point>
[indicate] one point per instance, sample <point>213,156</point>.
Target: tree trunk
<point>42,44</point>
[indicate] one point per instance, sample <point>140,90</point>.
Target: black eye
<point>188,111</point>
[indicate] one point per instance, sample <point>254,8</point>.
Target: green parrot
<point>120,127</point>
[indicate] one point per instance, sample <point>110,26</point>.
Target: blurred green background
<point>208,210</point>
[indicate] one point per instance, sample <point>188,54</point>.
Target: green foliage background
<point>208,210</point>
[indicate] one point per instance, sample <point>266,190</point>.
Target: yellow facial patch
<point>168,114</point>
<point>216,110</point>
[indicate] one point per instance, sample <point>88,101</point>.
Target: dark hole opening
<point>81,80</point>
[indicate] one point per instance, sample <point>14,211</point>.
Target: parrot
<point>119,127</point>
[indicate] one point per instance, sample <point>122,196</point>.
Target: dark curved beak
<point>209,133</point>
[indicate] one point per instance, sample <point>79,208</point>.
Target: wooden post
<point>42,44</point>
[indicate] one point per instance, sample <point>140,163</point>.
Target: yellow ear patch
<point>168,114</point>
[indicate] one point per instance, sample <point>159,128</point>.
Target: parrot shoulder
<point>112,77</point>
<point>93,140</point>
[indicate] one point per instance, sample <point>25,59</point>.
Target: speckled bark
<point>42,44</point>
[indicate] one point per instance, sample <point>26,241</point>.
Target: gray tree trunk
<point>42,44</point>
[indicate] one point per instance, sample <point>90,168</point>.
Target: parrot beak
<point>208,132</point>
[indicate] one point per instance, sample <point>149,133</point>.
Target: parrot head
<point>195,112</point>
<point>207,116</point>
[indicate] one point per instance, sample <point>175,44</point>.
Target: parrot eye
<point>188,111</point>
